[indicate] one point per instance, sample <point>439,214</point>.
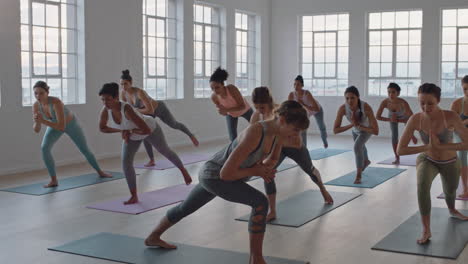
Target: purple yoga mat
<point>408,160</point>
<point>459,191</point>
<point>166,164</point>
<point>148,201</point>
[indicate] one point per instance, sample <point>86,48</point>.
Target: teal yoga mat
<point>64,184</point>
<point>127,249</point>
<point>371,177</point>
<point>318,154</point>
<point>305,207</point>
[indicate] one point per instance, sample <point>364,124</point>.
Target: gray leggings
<point>232,123</point>
<point>157,140</point>
<point>301,157</point>
<point>321,125</point>
<point>166,116</point>
<point>233,191</point>
<point>394,129</point>
<point>360,150</point>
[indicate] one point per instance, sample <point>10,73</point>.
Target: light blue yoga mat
<point>371,177</point>
<point>318,154</point>
<point>449,236</point>
<point>64,184</point>
<point>127,249</point>
<point>305,207</point>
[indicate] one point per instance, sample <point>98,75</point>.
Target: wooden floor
<point>31,224</point>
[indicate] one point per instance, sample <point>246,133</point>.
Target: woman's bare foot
<point>187,177</point>
<point>366,164</point>
<point>51,184</point>
<point>157,242</point>
<point>150,163</point>
<point>358,180</point>
<point>132,200</point>
<point>257,260</point>
<point>325,145</point>
<point>271,216</point>
<point>426,236</point>
<point>396,161</point>
<point>456,214</point>
<point>103,174</point>
<point>464,195</point>
<point>195,141</point>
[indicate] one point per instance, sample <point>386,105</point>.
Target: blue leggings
<point>74,131</point>
<point>360,150</point>
<point>321,125</point>
<point>232,123</point>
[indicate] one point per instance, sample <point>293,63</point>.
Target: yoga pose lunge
<point>146,105</point>
<point>458,106</point>
<point>438,154</point>
<point>51,112</point>
<point>120,117</point>
<point>229,101</point>
<point>254,153</point>
<point>264,110</point>
<point>312,106</point>
<point>399,111</point>
<point>363,123</point>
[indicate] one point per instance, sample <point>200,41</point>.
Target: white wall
<point>285,45</point>
<point>113,42</point>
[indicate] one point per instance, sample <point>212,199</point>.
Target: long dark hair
<point>219,75</point>
<point>355,91</point>
<point>262,95</point>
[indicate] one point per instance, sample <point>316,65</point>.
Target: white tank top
<point>364,119</point>
<point>126,124</point>
<point>306,101</point>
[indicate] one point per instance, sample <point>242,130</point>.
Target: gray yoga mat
<point>318,154</point>
<point>127,249</point>
<point>305,207</point>
<point>449,236</point>
<point>371,177</point>
<point>64,184</point>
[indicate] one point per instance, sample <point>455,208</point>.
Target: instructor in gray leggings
<point>264,110</point>
<point>254,153</point>
<point>146,105</point>
<point>119,117</point>
<point>362,120</point>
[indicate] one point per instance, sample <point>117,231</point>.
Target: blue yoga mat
<point>371,177</point>
<point>318,154</point>
<point>127,249</point>
<point>449,236</point>
<point>64,184</point>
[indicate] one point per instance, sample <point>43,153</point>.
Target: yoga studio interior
<point>234,131</point>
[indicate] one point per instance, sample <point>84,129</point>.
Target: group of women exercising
<point>275,132</point>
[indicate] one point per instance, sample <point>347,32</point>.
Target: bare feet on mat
<point>257,260</point>
<point>195,141</point>
<point>103,174</point>
<point>366,164</point>
<point>271,216</point>
<point>456,214</point>
<point>150,163</point>
<point>132,200</point>
<point>463,195</point>
<point>187,177</point>
<point>327,197</point>
<point>325,146</point>
<point>51,184</point>
<point>426,236</point>
<point>357,180</point>
<point>157,242</point>
<point>396,161</point>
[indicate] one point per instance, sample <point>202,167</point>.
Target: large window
<point>324,53</point>
<point>394,51</point>
<point>49,48</point>
<point>207,51</point>
<point>247,52</point>
<point>454,50</point>
<point>160,49</point>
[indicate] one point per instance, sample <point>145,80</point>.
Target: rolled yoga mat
<point>371,177</point>
<point>318,154</point>
<point>147,201</point>
<point>305,207</point>
<point>407,160</point>
<point>449,236</point>
<point>65,184</point>
<point>166,164</point>
<point>132,250</point>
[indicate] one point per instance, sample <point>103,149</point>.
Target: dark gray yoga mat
<point>305,207</point>
<point>449,236</point>
<point>64,184</point>
<point>127,249</point>
<point>371,177</point>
